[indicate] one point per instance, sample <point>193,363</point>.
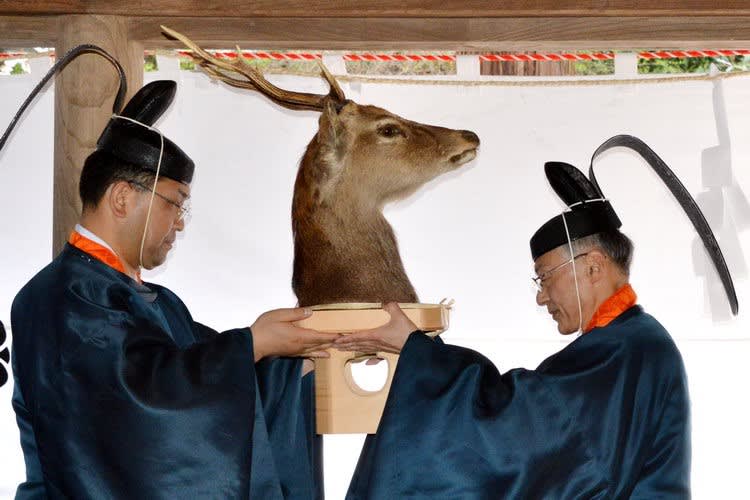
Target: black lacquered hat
<point>137,143</point>
<point>588,212</point>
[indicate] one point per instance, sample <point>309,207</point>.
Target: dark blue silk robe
<point>606,417</point>
<point>119,394</point>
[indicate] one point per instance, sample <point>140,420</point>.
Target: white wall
<point>25,227</point>
<point>465,236</point>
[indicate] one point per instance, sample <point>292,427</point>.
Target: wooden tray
<point>348,318</point>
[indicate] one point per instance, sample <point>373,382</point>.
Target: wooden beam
<point>380,8</point>
<point>84,92</point>
<point>27,31</point>
<point>464,34</point>
<point>452,34</point>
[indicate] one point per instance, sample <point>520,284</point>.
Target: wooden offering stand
<point>341,405</point>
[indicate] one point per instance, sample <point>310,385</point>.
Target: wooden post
<point>84,93</point>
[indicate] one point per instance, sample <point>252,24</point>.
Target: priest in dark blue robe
<point>605,418</point>
<point>119,393</point>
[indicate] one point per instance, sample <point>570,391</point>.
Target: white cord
<point>153,189</point>
<point>570,249</point>
<point>575,275</point>
<point>584,202</point>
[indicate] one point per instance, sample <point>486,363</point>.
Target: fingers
<point>399,319</point>
<point>288,314</point>
<point>307,366</point>
<point>351,338</point>
<point>392,308</point>
<point>315,338</point>
<point>368,348</point>
<point>372,360</point>
<point>365,341</point>
<point>397,314</point>
<point>285,338</point>
<point>372,335</point>
<point>317,354</point>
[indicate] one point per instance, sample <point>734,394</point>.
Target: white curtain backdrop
<point>464,236</point>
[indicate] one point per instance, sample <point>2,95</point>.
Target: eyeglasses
<point>183,210</point>
<point>539,280</point>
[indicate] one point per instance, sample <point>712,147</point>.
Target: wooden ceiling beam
<point>453,34</point>
<point>28,31</point>
<point>464,34</point>
<point>379,8</point>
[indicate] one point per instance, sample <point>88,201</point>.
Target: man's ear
<point>595,265</point>
<point>119,198</point>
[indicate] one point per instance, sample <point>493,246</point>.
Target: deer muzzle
<point>469,153</point>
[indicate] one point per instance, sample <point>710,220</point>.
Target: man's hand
<point>390,337</point>
<point>274,334</point>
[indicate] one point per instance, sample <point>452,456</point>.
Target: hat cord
<point>575,276</point>
<point>583,202</point>
<point>153,188</point>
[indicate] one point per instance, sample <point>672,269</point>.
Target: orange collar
<point>620,301</point>
<point>99,252</point>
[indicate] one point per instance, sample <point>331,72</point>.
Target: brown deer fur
<point>362,158</point>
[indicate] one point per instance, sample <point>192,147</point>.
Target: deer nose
<point>470,136</point>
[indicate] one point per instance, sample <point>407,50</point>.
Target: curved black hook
<point>683,197</point>
<point>61,63</point>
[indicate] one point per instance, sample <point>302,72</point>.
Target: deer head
<point>361,158</point>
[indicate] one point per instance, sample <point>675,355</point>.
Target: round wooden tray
<point>353,317</point>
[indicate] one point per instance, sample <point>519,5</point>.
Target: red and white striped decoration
<point>13,55</point>
<point>518,57</point>
<point>302,56</point>
<point>672,54</point>
<point>399,57</point>
<point>273,56</point>
<point>599,56</point>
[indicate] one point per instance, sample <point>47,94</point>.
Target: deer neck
<point>344,216</point>
<point>354,219</point>
<point>345,249</point>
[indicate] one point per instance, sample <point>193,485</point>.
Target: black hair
<point>101,170</point>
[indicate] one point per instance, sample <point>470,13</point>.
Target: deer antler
<point>252,79</point>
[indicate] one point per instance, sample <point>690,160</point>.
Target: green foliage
<point>692,65</point>
<point>401,68</point>
<point>667,66</point>
<point>187,64</point>
<point>284,66</point>
<point>149,63</point>
<point>587,68</point>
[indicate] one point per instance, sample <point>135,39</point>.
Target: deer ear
<point>330,132</point>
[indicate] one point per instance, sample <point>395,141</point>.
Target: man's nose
<point>541,297</point>
<point>179,225</point>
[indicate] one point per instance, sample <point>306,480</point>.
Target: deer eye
<point>390,131</point>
